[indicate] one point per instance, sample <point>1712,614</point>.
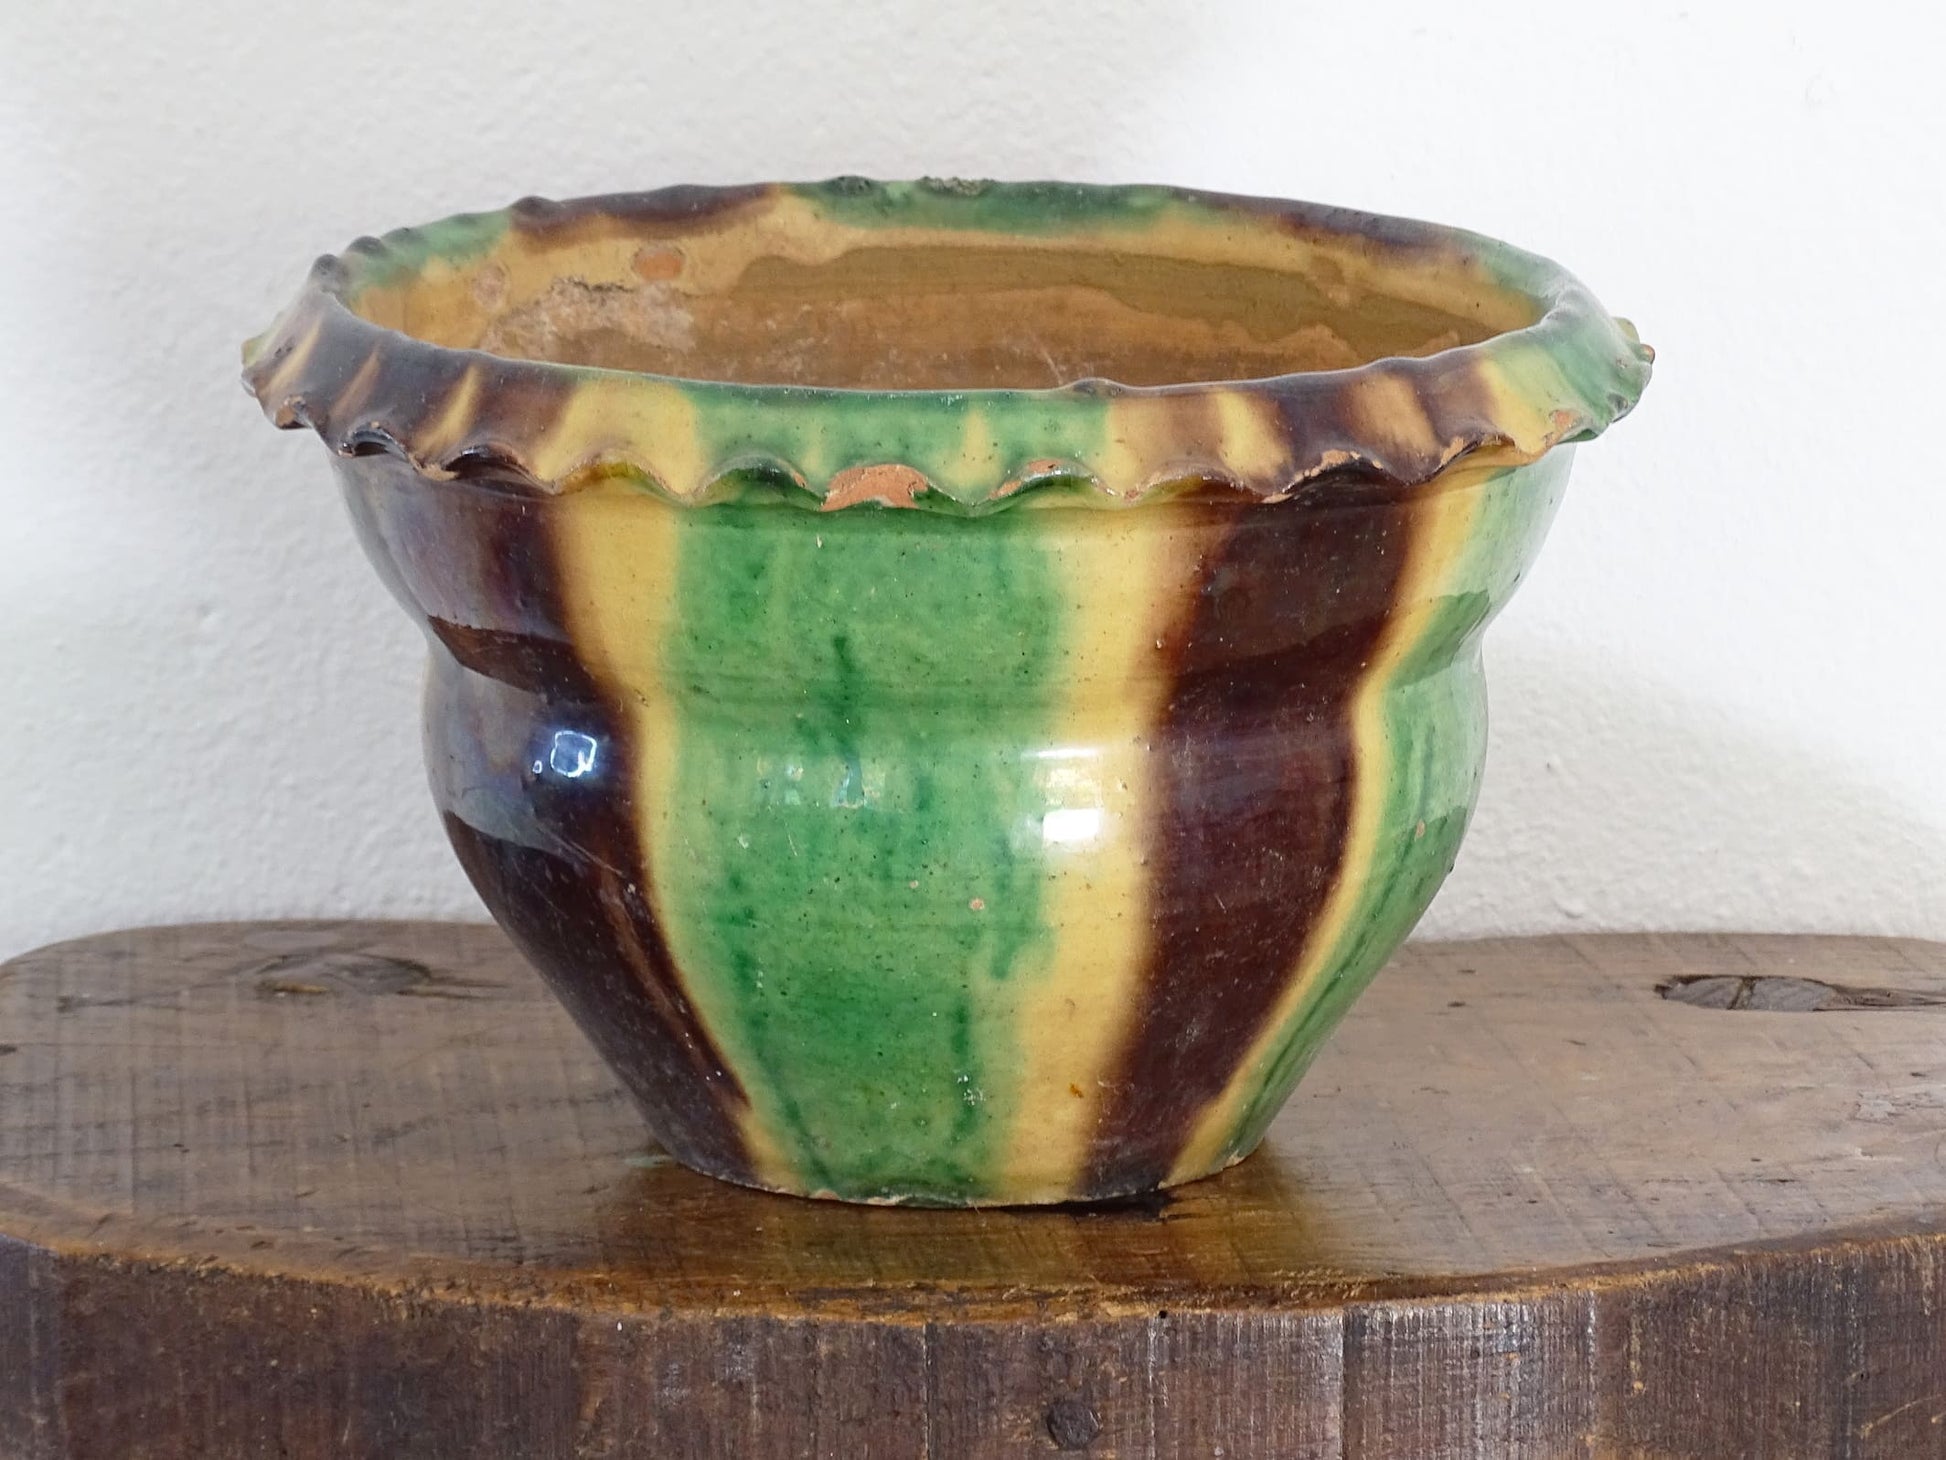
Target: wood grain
<point>359,1189</point>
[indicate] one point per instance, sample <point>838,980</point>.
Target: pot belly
<point>897,858</point>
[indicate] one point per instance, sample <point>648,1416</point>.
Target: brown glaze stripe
<point>589,928</point>
<point>1255,764</point>
<point>581,909</point>
<point>685,207</point>
<point>524,661</point>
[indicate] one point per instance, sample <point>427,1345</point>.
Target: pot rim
<point>1393,423</point>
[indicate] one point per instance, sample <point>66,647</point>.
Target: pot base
<point>1048,1198</point>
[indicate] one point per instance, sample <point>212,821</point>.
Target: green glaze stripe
<point>461,239</point>
<point>873,665</point>
<point>1018,208</point>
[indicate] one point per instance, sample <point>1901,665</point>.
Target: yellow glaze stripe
<point>1125,576</point>
<point>619,549</point>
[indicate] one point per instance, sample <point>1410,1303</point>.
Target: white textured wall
<point>1720,701</point>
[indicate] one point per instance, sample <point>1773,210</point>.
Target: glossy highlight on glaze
<point>989,791</point>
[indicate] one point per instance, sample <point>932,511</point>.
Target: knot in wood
<point>1071,1424</point>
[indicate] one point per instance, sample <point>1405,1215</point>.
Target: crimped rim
<point>1394,423</point>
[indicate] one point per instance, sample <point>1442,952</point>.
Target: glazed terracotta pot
<point>956,686</point>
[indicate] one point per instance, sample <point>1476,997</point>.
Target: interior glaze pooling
<point>936,311</point>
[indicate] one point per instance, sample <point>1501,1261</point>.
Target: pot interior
<point>786,295</point>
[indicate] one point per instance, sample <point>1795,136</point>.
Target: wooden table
<point>359,1189</point>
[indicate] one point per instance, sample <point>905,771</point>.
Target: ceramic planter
<point>956,686</point>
